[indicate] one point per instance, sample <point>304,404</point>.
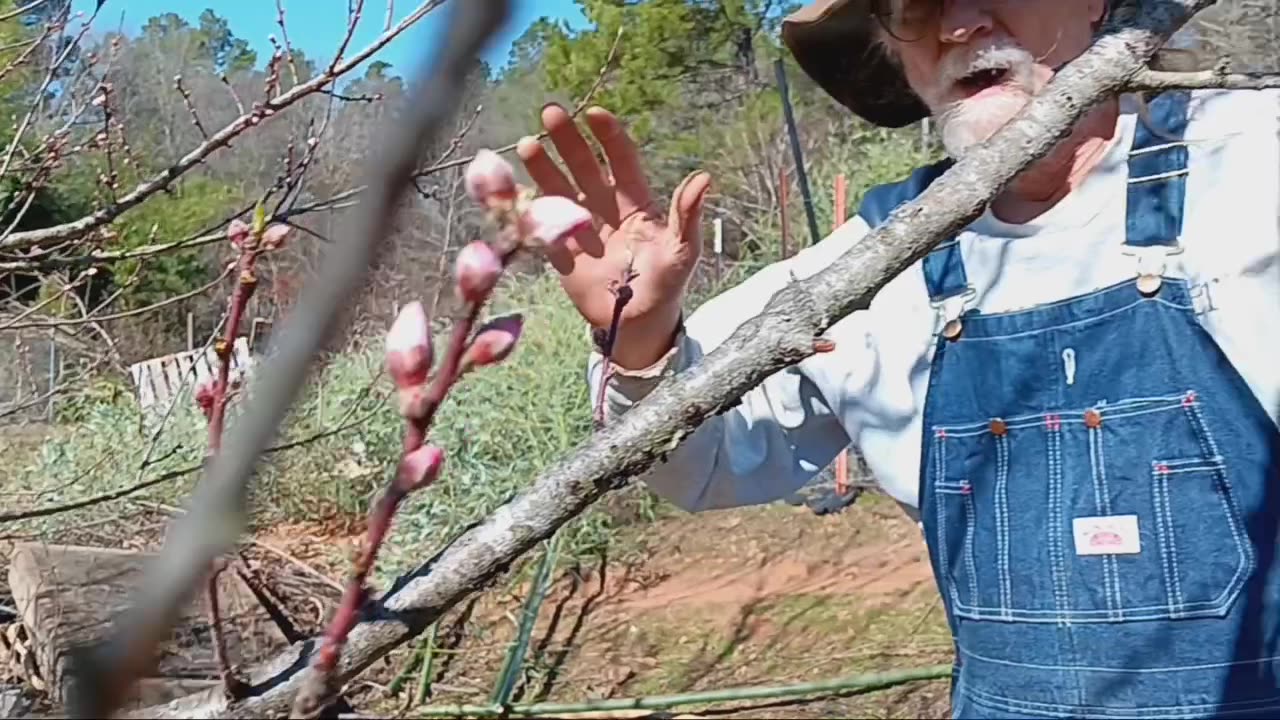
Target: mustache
<point>999,55</point>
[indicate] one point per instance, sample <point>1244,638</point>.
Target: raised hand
<point>631,229</point>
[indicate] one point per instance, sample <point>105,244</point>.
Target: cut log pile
<point>69,595</point>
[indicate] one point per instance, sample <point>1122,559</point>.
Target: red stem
<point>353,598</point>
<point>316,689</point>
<point>232,684</point>
<point>245,285</point>
<point>621,296</point>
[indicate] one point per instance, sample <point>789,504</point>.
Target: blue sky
<point>317,26</point>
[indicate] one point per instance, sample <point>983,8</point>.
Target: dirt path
<point>875,573</point>
<point>755,596</point>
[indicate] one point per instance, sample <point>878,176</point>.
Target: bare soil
<point>757,596</point>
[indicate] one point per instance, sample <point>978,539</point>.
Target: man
<point>1079,392</point>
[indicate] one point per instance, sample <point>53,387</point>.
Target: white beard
<point>968,123</point>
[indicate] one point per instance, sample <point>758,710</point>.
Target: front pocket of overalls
<point>1018,504</point>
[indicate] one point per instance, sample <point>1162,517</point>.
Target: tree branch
<point>64,231</point>
<point>1218,78</point>
<point>783,334</point>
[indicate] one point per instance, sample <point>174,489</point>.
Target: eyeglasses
<point>912,20</point>
<point>907,20</point>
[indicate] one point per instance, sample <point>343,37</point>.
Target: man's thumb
<point>686,205</point>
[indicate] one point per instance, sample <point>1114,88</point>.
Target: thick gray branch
<point>780,336</point>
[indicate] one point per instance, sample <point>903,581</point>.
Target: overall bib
<point>1098,489</point>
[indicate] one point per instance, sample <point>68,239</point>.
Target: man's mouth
<point>980,80</point>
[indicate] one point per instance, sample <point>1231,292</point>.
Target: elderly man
<point>1079,392</point>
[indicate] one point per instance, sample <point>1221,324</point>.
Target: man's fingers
<point>560,257</point>
<point>686,206</point>
<point>544,171</point>
<point>581,161</point>
<point>630,183</point>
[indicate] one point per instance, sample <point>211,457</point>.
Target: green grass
<point>500,428</point>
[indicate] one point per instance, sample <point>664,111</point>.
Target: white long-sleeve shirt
<point>870,391</point>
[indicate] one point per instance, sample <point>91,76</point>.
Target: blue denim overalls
<point>1104,536</point>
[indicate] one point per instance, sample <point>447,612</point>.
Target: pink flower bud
<point>551,219</point>
<point>409,347</point>
<point>477,270</point>
<point>238,232</point>
<point>419,468</point>
<point>493,342</point>
<point>275,235</point>
<point>204,398</point>
<point>490,177</point>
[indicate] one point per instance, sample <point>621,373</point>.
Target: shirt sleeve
<point>782,433</point>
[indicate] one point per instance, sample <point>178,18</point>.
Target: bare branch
<point>18,11</point>
<point>97,499</point>
<point>22,240</point>
<point>127,313</point>
<point>353,19</point>
<point>105,674</point>
<point>1216,79</point>
<point>191,106</point>
<point>284,36</point>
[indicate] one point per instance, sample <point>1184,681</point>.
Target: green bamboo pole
<point>397,684</point>
<point>428,667</point>
<point>855,684</point>
<point>533,604</point>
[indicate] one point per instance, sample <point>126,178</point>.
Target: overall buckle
<point>950,309</point>
<point>1153,260</point>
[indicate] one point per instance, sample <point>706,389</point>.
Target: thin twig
<point>183,472</point>
<point>126,313</point>
<point>353,19</point>
<point>260,592</point>
<point>284,37</point>
<point>191,106</point>
<point>298,564</point>
<point>622,294</point>
<point>18,11</point>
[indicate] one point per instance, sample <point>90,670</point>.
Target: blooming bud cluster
<point>239,232</point>
<point>545,221</point>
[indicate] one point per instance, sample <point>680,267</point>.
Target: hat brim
<point>834,42</point>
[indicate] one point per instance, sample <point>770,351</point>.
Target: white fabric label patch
<point>1107,535</point>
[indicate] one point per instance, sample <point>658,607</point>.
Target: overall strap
<point>1158,174</point>
<point>944,274</point>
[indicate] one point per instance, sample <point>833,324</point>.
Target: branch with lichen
<point>521,223</point>
<point>1219,77</point>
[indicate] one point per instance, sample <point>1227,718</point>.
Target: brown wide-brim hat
<point>834,41</point>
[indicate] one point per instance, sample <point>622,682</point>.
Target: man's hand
<point>662,247</point>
